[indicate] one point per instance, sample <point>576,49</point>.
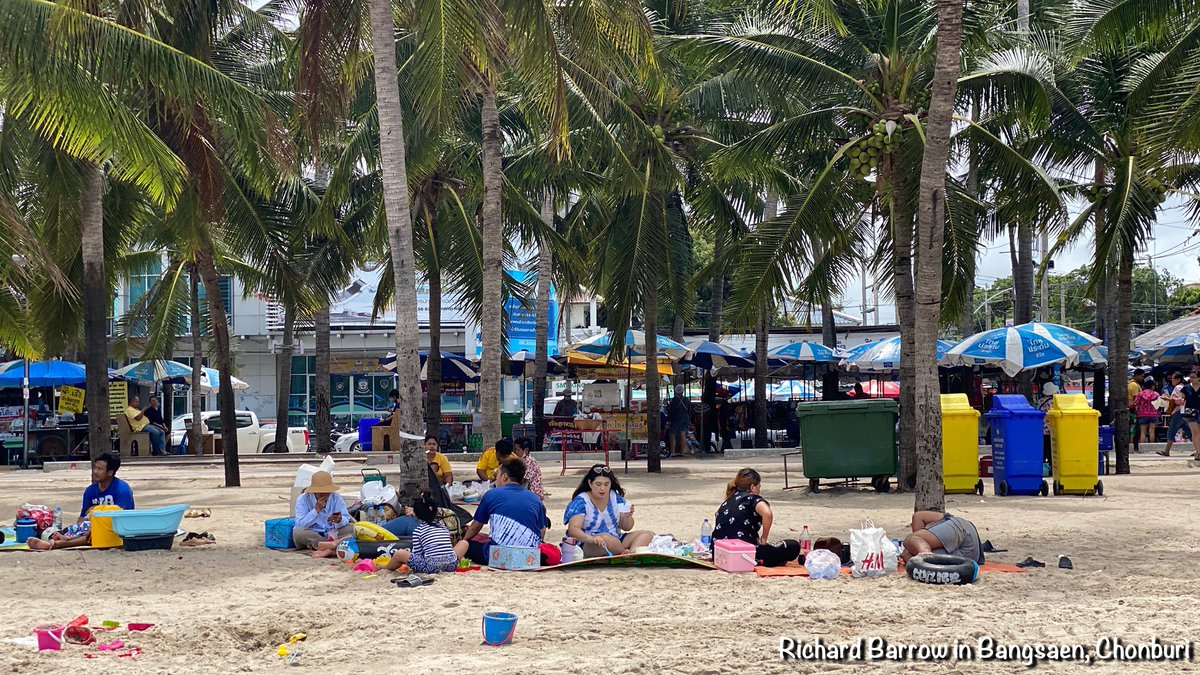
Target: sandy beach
<point>226,608</point>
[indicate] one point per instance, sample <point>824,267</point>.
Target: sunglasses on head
<point>602,470</point>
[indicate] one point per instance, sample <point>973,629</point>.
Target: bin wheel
<point>1044,489</point>
<point>1100,488</point>
<point>979,488</point>
<point>1003,489</point>
<point>1057,488</point>
<point>814,485</point>
<point>881,484</point>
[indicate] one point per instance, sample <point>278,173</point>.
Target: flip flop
<point>1030,562</point>
<point>1163,453</point>
<point>1065,563</point>
<point>413,581</point>
<point>989,548</point>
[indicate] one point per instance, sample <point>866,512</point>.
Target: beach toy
<point>139,627</point>
<point>143,522</point>
<point>26,528</point>
<point>372,532</point>
<point>110,625</point>
<point>49,637</point>
<point>499,627</point>
<point>347,551</point>
<point>942,570</point>
<point>367,566</point>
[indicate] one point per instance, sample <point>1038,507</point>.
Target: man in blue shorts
<point>106,490</point>
<point>935,532</point>
<point>515,516</point>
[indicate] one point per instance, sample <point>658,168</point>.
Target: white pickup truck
<point>252,437</point>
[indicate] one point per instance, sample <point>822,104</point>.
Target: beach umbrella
<point>782,391</point>
<point>635,343</point>
<point>1096,357</point>
<point>881,389</point>
<point>42,374</point>
<point>520,364</point>
<point>1012,349</point>
<point>804,352</point>
<point>883,356</point>
<point>455,367</point>
<point>707,355</point>
<point>210,381</point>
<point>1182,349</point>
<point>1071,337</point>
<point>154,371</point>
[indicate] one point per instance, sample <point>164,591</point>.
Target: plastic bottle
<point>58,521</point>
<point>805,541</point>
<point>706,534</point>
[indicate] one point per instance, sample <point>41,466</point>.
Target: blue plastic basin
<point>142,522</point>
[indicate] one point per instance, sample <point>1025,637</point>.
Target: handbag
<point>871,552</point>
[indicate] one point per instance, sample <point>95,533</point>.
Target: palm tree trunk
<point>966,323</point>
<point>96,304</point>
<point>717,305</point>
<point>283,378</point>
<point>830,379</point>
<point>1119,354</point>
<point>220,330</point>
<point>762,344</point>
<point>653,402</point>
<point>493,267</point>
<point>931,235</point>
<point>196,436</point>
<point>1099,384</point>
<point>542,330</point>
<point>400,237</point>
<point>433,362</point>
<point>895,184</point>
<point>324,420</point>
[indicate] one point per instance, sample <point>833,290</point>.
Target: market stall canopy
<point>787,390</point>
<point>599,367</point>
<point>1188,325</point>
<point>634,345</point>
<point>714,355</point>
<point>42,374</point>
<point>1181,349</point>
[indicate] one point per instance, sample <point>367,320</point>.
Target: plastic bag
<point>456,492</point>
<point>823,564</point>
<point>871,552</point>
<point>375,493</point>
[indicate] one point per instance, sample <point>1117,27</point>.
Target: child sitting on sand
<point>431,551</point>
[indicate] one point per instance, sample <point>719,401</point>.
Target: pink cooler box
<point>734,555</point>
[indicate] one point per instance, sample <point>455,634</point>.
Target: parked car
<point>347,442</point>
<point>253,437</point>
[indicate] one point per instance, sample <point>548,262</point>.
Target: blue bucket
<point>26,528</point>
<point>498,628</point>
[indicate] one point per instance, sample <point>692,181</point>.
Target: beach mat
<point>10,541</point>
<point>795,569</point>
<point>634,560</point>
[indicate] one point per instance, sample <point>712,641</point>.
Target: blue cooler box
<point>1016,447</point>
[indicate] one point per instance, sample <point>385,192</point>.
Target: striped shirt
<point>432,542</point>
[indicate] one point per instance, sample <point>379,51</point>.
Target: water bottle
<point>706,534</point>
<point>372,514</point>
<point>805,542</point>
<point>58,522</point>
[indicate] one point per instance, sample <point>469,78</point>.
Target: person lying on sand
<point>600,518</point>
<point>322,520</point>
<point>935,532</point>
<point>106,490</point>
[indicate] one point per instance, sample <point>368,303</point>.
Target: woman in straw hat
<point>321,517</point>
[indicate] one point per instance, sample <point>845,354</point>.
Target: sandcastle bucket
<point>499,627</point>
<point>49,637</point>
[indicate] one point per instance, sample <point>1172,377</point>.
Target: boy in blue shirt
<point>106,490</point>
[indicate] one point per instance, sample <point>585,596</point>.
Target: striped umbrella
<point>883,356</point>
<point>210,381</point>
<point>521,364</point>
<point>1012,349</point>
<point>455,367</point>
<point>804,352</point>
<point>710,355</point>
<point>154,371</point>
<point>1071,337</point>
<point>1182,349</point>
<point>635,345</point>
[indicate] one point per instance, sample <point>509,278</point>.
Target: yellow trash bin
<point>103,535</point>
<point>960,445</point>
<point>1075,446</point>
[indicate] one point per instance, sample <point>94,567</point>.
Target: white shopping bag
<point>872,553</point>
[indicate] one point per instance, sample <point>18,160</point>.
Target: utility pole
<point>1062,302</point>
<point>1045,309</point>
<point>865,309</point>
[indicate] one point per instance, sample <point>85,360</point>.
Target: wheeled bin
<point>1074,438</point>
<point>1016,447</point>
<point>849,439</point>
<point>1106,446</point>
<point>960,445</point>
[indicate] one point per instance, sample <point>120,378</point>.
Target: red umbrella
<point>877,389</point>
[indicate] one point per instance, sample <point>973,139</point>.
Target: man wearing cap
<point>321,517</point>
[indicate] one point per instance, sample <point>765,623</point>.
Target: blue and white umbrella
<point>711,355</point>
<point>520,364</point>
<point>782,391</point>
<point>1011,349</point>
<point>1071,337</point>
<point>883,356</point>
<point>1096,357</point>
<point>635,345</point>
<point>210,381</point>
<point>42,374</point>
<point>154,371</point>
<point>455,367</point>
<point>804,352</point>
<point>1182,349</point>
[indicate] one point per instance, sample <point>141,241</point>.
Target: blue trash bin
<point>1106,446</point>
<point>364,433</point>
<point>1016,447</point>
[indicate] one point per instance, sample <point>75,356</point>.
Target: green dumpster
<point>507,421</point>
<point>849,439</point>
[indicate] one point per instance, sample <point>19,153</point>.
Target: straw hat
<point>322,484</point>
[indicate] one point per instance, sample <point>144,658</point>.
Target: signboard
<point>616,424</point>
<point>118,398</point>
<point>70,400</point>
<point>601,395</point>
<point>522,321</point>
<point>354,365</point>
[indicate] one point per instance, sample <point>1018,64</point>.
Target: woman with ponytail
<point>747,516</point>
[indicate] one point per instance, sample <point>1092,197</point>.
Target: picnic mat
<point>634,560</point>
<point>795,569</point>
<point>10,541</point>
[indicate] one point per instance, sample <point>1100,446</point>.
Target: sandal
<point>194,539</point>
<point>413,581</point>
<point>1163,453</point>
